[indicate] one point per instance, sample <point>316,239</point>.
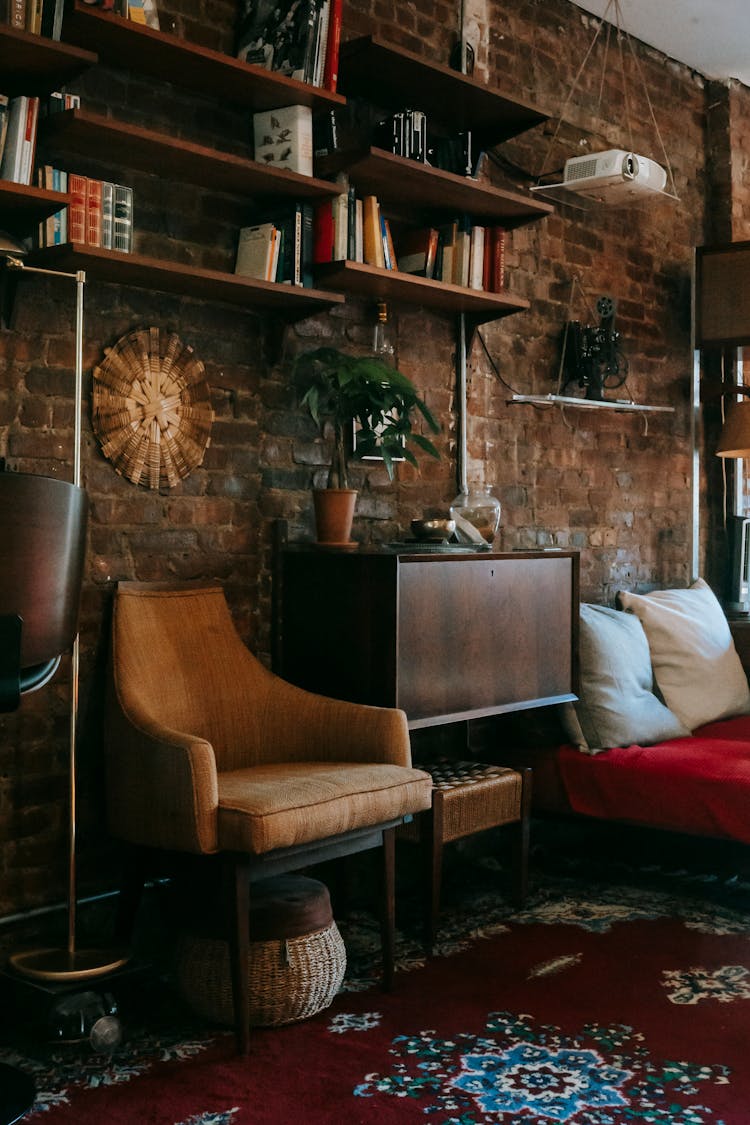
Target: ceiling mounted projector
<point>614,176</point>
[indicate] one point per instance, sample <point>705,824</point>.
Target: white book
<point>476,258</point>
<point>12,162</point>
<point>283,138</point>
<point>255,251</point>
<point>341,219</point>
<point>359,244</point>
<point>321,44</point>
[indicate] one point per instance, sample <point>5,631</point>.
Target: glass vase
<point>477,510</point>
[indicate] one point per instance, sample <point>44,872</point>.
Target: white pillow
<point>616,704</point>
<point>696,666</point>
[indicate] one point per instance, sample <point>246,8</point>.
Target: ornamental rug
<point>619,998</point>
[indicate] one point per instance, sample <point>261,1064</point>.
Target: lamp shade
<point>734,440</point>
<point>42,552</point>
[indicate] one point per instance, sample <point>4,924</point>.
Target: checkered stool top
<point>468,797</point>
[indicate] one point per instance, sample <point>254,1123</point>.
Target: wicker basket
<point>291,978</point>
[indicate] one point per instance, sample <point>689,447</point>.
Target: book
<point>417,249</point>
<point>462,252</point>
<point>307,244</point>
<point>288,220</point>
<point>497,259</point>
<point>17,14</point>
<point>29,140</point>
<point>341,219</point>
<point>257,252</point>
<point>10,168</point>
<point>108,215</point>
<point>34,16</point>
<point>283,138</point>
<point>331,67</point>
<point>276,34</point>
<point>77,187</point>
<point>476,257</point>
<point>372,235</point>
<point>321,44</point>
<point>93,212</point>
<point>145,12</point>
<point>389,252</point>
<point>323,231</point>
<point>4,102</point>
<point>122,233</point>
<point>52,14</point>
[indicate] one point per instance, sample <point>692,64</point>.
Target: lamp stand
<point>70,964</point>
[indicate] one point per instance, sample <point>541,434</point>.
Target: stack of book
<point>459,252</point>
<point>53,231</point>
<point>42,17</point>
<point>19,118</point>
<point>100,213</point>
<point>279,247</point>
<point>296,38</point>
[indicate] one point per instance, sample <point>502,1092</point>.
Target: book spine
<point>93,212</point>
<point>308,235</point>
<point>4,102</point>
<point>341,219</point>
<point>331,68</point>
<point>373,240</point>
<point>10,169</point>
<point>29,140</point>
<point>108,214</point>
<point>388,248</point>
<point>63,214</point>
<point>476,262</point>
<point>77,207</point>
<point>18,14</point>
<point>323,232</point>
<point>321,44</point>
<point>122,234</point>
<point>497,272</point>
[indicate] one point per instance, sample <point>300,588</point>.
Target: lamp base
<point>64,965</point>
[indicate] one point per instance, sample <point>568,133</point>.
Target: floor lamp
<point>35,666</point>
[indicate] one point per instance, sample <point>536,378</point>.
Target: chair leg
<point>432,850</point>
<point>388,907</point>
<point>131,892</point>
<point>521,841</point>
<point>237,890</point>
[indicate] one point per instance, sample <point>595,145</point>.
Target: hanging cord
<point>651,113</point>
<point>625,86</point>
<point>494,366</point>
<point>604,69</point>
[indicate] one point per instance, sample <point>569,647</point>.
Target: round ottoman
<point>297,957</point>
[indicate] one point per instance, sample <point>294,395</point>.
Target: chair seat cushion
<point>262,808</point>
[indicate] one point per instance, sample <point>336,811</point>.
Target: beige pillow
<point>696,666</point>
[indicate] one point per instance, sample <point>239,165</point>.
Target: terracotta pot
<point>334,513</point>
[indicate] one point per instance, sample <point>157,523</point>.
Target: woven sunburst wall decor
<point>151,408</point>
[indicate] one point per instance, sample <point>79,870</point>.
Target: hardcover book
<point>257,252</point>
<point>12,161</point>
<point>77,187</point>
<point>278,35</point>
<point>283,138</point>
<point>122,235</point>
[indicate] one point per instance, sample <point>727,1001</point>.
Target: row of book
<point>100,212</point>
<point>279,247</point>
<point>44,17</point>
<point>459,251</point>
<point>19,118</point>
<point>297,38</point>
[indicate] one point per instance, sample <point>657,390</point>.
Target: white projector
<point>613,176</point>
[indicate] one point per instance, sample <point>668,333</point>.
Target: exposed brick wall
<point>612,485</point>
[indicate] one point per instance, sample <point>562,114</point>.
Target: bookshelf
<point>186,280</point>
<point>118,41</point>
<point>21,206</point>
<point>31,64</point>
<point>80,133</point>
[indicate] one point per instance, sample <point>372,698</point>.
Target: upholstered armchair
<point>208,752</point>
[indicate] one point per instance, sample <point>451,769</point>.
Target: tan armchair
<point>208,752</point>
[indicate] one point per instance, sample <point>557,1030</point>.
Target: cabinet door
<point>482,636</point>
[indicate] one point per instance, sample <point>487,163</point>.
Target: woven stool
<point>297,957</point>
<point>469,797</point>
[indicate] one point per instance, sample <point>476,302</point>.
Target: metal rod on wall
<point>461,406</point>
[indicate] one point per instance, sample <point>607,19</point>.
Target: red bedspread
<point>699,785</point>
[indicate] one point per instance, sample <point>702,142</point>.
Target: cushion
<point>696,666</point>
<point>616,705</point>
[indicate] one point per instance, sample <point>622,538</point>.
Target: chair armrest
<point>300,725</point>
<point>161,786</point>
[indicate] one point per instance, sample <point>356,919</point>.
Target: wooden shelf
<point>31,64</point>
<point>189,281</point>
<point>22,207</point>
<point>129,146</point>
<point>391,285</point>
<point>416,188</point>
<point>122,43</point>
<point>623,406</point>
<point>393,77</point>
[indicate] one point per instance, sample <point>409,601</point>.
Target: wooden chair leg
<point>521,841</point>
<point>131,892</point>
<point>388,907</point>
<point>432,845</point>
<point>237,889</point>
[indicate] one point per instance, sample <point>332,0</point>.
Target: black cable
<point>494,366</point>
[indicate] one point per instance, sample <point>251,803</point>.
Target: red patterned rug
<point>605,1001</point>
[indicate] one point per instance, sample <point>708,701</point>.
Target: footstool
<point>470,797</point>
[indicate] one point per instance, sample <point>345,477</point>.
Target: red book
<point>323,232</point>
<point>77,208</point>
<point>331,69</point>
<point>94,212</point>
<point>497,254</point>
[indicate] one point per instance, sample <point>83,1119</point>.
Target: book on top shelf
<point>12,165</point>
<point>13,12</point>
<point>374,254</point>
<point>145,12</point>
<point>4,103</point>
<point>279,35</point>
<point>283,138</point>
<point>333,45</point>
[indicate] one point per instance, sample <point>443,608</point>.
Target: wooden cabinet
<point>445,637</point>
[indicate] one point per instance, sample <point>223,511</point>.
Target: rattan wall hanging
<point>151,408</point>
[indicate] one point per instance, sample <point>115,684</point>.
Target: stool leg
<point>521,841</point>
<point>432,832</point>
<point>237,881</point>
<point>388,908</point>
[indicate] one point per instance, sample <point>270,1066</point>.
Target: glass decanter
<point>477,515</point>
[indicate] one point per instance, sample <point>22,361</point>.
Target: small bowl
<point>433,531</point>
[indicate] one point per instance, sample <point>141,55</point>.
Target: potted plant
<point>351,391</point>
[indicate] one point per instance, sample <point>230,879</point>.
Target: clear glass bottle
<point>382,347</point>
<point>477,510</point>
